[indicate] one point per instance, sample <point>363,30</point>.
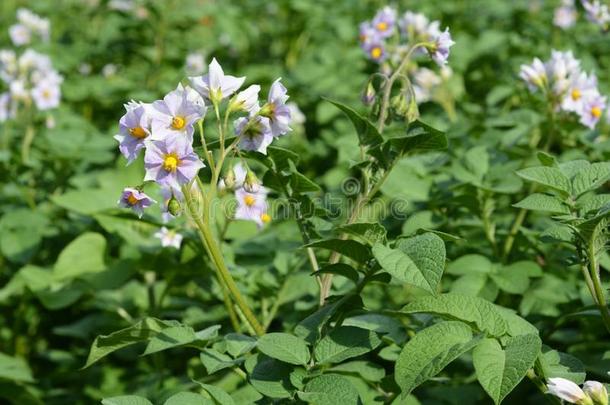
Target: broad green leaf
<point>139,332</point>
<point>365,369</point>
<point>391,328</point>
<point>367,132</point>
<point>15,369</point>
<point>21,231</point>
<point>430,351</point>
<point>214,361</point>
<point>329,389</point>
<point>270,377</point>
<point>126,400</point>
<point>238,344</point>
<point>469,264</point>
<point>284,347</point>
<point>340,269</point>
<point>420,137</point>
<point>83,255</point>
<point>516,324</point>
<point>499,369</point>
<point>187,398</point>
<point>301,184</point>
<point>419,260</point>
<point>282,157</point>
<point>547,176</point>
<point>590,178</point>
<point>345,342</point>
<point>557,364</point>
<point>473,310</point>
<point>347,247</point>
<point>218,395</point>
<point>178,336</point>
<point>543,202</point>
<point>370,232</point>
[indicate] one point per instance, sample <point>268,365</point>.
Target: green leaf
<point>367,370</point>
<point>543,202</point>
<point>178,336</point>
<point>474,310</point>
<point>430,351</point>
<point>21,231</point>
<point>345,342</point>
<point>139,332</point>
<point>238,344</point>
<point>547,176</point>
<point>284,347</point>
<point>340,269</point>
<point>301,184</point>
<point>557,364</point>
<point>370,233</point>
<point>126,400</point>
<point>15,369</point>
<point>187,398</point>
<point>498,369</point>
<point>214,361</point>
<point>420,137</point>
<point>218,395</point>
<point>470,264</point>
<point>367,132</point>
<point>83,255</point>
<point>282,157</point>
<point>419,260</point>
<point>347,247</point>
<point>330,389</point>
<point>271,377</point>
<point>590,178</point>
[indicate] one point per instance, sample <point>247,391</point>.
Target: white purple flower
<point>439,52</point>
<point>592,109</point>
<point>34,22</point>
<point>384,21</point>
<point>246,100</point>
<point>134,128</point>
<point>20,34</point>
<point>252,206</point>
<point>254,133</point>
<point>581,88</point>
<point>424,81</point>
<point>568,391</point>
<point>417,27</point>
<point>136,200</point>
<point>564,16</point>
<point>597,12</point>
<point>174,116</point>
<point>367,33</point>
<point>375,51</point>
<point>46,94</point>
<point>171,163</point>
<point>194,63</point>
<point>534,75</point>
<point>169,238</point>
<point>7,108</point>
<point>215,85</point>
<point>276,109</point>
<point>239,176</point>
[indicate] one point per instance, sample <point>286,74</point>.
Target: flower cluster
<point>567,87</point>
<point>565,15</point>
<point>164,131</point>
<point>427,81</point>
<point>250,195</point>
<point>598,13</point>
<point>29,77</point>
<point>592,392</point>
<point>29,24</point>
<point>410,30</point>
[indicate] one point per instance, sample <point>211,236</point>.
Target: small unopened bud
<point>251,184</point>
<point>368,95</point>
<point>568,391</point>
<point>173,206</point>
<point>597,391</point>
<point>229,179</point>
<point>412,111</point>
<point>400,104</point>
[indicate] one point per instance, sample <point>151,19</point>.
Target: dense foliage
<point>326,202</point>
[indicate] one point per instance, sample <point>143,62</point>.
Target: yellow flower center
<point>382,26</point>
<point>249,200</point>
<point>170,162</point>
<point>132,200</point>
<point>138,132</point>
<point>576,94</point>
<point>178,122</point>
<point>46,94</point>
<point>376,52</point>
<point>266,218</point>
<point>596,112</point>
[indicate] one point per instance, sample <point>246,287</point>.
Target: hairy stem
<point>599,293</point>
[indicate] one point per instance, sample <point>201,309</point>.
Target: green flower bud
<point>596,391</point>
<point>252,184</point>
<point>173,206</point>
<point>368,95</point>
<point>229,179</point>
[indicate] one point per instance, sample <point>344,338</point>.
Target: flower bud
<point>597,391</point>
<point>568,391</point>
<point>173,206</point>
<point>229,179</point>
<point>413,111</point>
<point>252,184</point>
<point>368,95</point>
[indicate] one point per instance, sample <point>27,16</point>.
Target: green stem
<point>218,260</point>
<point>599,294</point>
<point>27,144</point>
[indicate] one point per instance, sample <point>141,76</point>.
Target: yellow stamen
<point>171,162</point>
<point>138,132</point>
<point>46,94</point>
<point>131,199</point>
<point>382,26</point>
<point>266,218</point>
<point>576,94</point>
<point>178,122</point>
<point>376,52</point>
<point>596,112</point>
<point>249,200</point>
